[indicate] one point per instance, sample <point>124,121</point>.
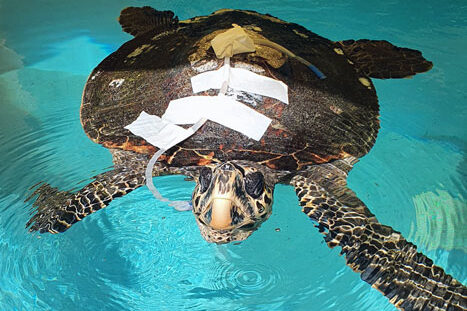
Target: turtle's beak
<point>221,214</point>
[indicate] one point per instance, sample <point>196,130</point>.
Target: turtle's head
<point>231,200</point>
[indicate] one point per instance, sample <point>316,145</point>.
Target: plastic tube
<point>225,84</point>
<point>178,205</point>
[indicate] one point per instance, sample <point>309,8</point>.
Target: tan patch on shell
<point>140,50</point>
<point>273,57</point>
<point>278,126</point>
<point>300,34</point>
<point>252,28</point>
<point>365,82</point>
<point>203,45</point>
<point>339,51</point>
<point>335,109</point>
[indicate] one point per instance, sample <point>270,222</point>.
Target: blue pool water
<point>139,254</point>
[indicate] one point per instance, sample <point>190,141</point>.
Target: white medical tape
<point>241,79</point>
<point>158,132</point>
<point>220,109</point>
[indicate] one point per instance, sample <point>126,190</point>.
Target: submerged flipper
<point>380,59</point>
<point>380,254</point>
<point>137,21</point>
<point>58,210</point>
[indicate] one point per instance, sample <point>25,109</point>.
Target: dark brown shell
<point>325,119</point>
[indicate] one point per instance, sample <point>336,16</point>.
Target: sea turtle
<point>312,143</point>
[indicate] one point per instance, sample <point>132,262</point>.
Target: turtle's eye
<point>254,184</point>
<point>205,177</point>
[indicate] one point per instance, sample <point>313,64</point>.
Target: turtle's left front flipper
<point>380,254</point>
<point>57,210</point>
<point>380,59</point>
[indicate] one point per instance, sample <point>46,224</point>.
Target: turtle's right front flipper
<point>382,256</point>
<point>58,210</point>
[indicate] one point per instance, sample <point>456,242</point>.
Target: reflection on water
<point>139,254</point>
<point>440,221</point>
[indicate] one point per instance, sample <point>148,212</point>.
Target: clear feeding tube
<point>178,205</point>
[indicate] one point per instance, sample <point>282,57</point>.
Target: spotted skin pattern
<point>229,180</point>
<point>380,254</point>
<point>55,211</point>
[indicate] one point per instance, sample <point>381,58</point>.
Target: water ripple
<point>245,279</point>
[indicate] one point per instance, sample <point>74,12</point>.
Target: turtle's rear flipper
<point>137,21</point>
<point>57,210</point>
<point>380,59</point>
<point>381,255</point>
